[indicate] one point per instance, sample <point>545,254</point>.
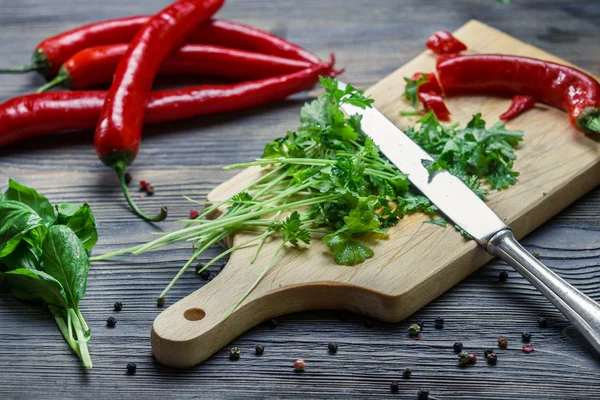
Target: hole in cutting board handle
<point>194,314</point>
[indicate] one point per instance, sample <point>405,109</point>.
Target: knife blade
<point>469,212</point>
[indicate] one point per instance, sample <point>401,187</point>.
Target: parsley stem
<point>262,240</point>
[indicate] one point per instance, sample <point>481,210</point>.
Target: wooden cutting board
<point>420,261</point>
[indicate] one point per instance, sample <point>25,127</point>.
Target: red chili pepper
<point>96,65</point>
<point>44,113</point>
<point>442,42</point>
<point>53,52</point>
<point>119,130</point>
<point>434,102</point>
<point>432,84</point>
<point>558,85</point>
<point>519,105</point>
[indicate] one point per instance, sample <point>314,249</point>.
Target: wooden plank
<point>371,40</point>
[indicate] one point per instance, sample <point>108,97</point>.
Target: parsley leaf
<point>437,221</point>
<point>293,231</point>
<point>411,89</point>
<point>345,249</point>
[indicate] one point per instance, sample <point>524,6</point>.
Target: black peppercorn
<point>199,266</point>
<point>420,323</point>
<point>526,336</point>
<point>234,353</point>
<point>127,178</point>
<point>150,190</point>
<point>332,347</point>
<point>260,349</point>
<point>118,306</point>
<point>543,322</point>
<point>205,274</point>
<point>492,358</point>
<point>160,301</point>
<point>423,394</point>
<point>487,352</point>
<point>273,323</point>
<point>458,346</point>
<point>406,373</point>
<point>439,322</point>
<point>131,367</point>
<point>111,322</point>
<point>394,387</point>
<point>503,276</point>
<point>502,342</point>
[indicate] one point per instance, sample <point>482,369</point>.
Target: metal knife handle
<point>581,310</point>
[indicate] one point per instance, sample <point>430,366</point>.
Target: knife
<point>470,213</point>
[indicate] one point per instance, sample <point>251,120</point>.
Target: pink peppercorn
<point>299,365</point>
<point>194,213</point>
<point>528,348</point>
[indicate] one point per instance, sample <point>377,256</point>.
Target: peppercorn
<point>394,387</point>
<point>472,358</point>
<point>423,394</point>
<point>528,348</point>
<point>526,336</point>
<point>414,330</point>
<point>439,322</point>
<point>502,342</point>
<point>406,373</point>
<point>299,365</point>
<point>118,306</point>
<point>420,323</point>
<point>503,276</point>
<point>332,347</point>
<point>260,349</point>
<point>234,353</point>
<point>458,346</point>
<point>542,322</point>
<point>131,367</point>
<point>144,185</point>
<point>111,322</point>
<point>487,352</point>
<point>194,213</point>
<point>160,301</point>
<point>463,358</point>
<point>273,323</point>
<point>492,358</point>
<point>536,254</point>
<point>204,274</point>
<point>150,190</point>
<point>199,266</point>
<point>127,178</point>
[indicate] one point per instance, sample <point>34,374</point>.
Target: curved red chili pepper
<point>53,52</point>
<point>44,113</point>
<point>443,42</point>
<point>119,130</point>
<point>558,85</point>
<point>96,65</point>
<point>519,105</point>
<point>434,102</point>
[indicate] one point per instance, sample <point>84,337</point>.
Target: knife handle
<point>580,310</point>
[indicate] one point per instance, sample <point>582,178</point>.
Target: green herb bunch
<point>44,254</point>
<point>326,180</point>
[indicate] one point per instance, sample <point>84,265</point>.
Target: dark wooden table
<point>370,39</point>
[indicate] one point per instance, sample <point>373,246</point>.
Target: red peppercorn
<point>194,213</point>
<point>472,358</point>
<point>299,365</point>
<point>528,348</point>
<point>144,185</point>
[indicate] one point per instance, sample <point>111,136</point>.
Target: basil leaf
<point>22,256</point>
<point>27,195</point>
<point>65,258</point>
<point>65,212</point>
<point>27,284</point>
<point>16,220</point>
<point>84,225</point>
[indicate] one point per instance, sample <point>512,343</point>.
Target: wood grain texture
<point>371,39</point>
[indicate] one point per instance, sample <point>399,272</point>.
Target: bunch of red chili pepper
<point>529,80</point>
<point>130,52</point>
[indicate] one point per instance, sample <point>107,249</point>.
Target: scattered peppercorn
<point>234,353</point>
<point>127,178</point>
<point>414,330</point>
<point>199,266</point>
<point>423,394</point>
<point>131,367</point>
<point>528,348</point>
<point>144,185</point>
<point>204,274</point>
<point>260,349</point>
<point>420,323</point>
<point>150,190</point>
<point>118,306</point>
<point>492,358</point>
<point>543,322</point>
<point>458,346</point>
<point>472,358</point>
<point>526,336</point>
<point>487,352</point>
<point>394,387</point>
<point>273,323</point>
<point>502,342</point>
<point>503,276</point>
<point>332,347</point>
<point>160,301</point>
<point>439,322</point>
<point>463,358</point>
<point>299,365</point>
<point>535,253</point>
<point>406,373</point>
<point>111,322</point>
<point>194,213</point>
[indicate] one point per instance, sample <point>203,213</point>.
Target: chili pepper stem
<point>20,70</point>
<point>59,80</point>
<point>120,170</point>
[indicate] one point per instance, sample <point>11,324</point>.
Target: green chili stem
<point>21,70</point>
<point>57,81</point>
<point>120,170</point>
